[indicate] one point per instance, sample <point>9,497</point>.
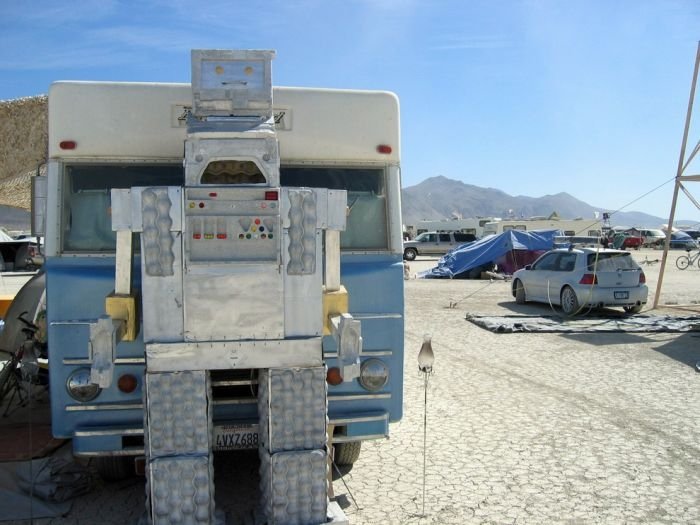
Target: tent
<point>509,250</point>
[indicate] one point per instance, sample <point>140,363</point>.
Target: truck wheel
<point>115,468</point>
<point>410,254</point>
<point>347,453</point>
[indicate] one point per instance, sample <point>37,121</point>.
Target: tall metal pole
<point>679,174</point>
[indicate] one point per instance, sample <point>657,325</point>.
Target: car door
<point>429,244</point>
<point>538,278</point>
<point>564,273</point>
<point>445,242</point>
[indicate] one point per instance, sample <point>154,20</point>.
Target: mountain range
<point>443,198</point>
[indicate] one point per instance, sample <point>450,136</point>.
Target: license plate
<point>622,295</point>
<point>235,437</point>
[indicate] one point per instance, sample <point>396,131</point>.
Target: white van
<point>652,238</point>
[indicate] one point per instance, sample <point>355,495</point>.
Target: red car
<point>624,240</point>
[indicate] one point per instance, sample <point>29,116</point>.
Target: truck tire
<point>347,453</point>
<point>115,468</point>
<point>410,254</point>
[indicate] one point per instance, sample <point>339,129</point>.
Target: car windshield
<point>606,262</point>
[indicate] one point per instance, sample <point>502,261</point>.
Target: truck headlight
<point>374,374</point>
<point>79,386</point>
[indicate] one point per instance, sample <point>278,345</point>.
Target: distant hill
<point>14,219</point>
<point>443,198</point>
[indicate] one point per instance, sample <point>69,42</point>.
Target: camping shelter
<point>510,250</point>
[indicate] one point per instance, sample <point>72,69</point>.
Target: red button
<point>257,221</point>
<point>220,235</point>
<point>196,235</point>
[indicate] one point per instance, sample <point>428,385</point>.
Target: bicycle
<point>11,374</point>
<point>683,261</point>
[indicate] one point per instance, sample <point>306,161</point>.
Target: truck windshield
<point>86,211</point>
<point>367,218</point>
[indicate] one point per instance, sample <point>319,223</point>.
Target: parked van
<point>435,243</point>
<point>652,238</point>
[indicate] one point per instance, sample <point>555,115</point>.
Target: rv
<point>474,226</point>
<point>585,227</point>
<point>223,271</point>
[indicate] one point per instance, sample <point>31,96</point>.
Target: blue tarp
<point>487,250</point>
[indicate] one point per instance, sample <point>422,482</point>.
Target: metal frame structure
<point>683,164</point>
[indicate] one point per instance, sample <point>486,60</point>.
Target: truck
<point>223,265</point>
<point>435,243</point>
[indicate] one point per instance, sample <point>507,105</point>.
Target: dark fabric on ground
<point>540,323</point>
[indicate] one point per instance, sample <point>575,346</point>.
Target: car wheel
<point>633,309</point>
<point>519,292</point>
<point>410,254</point>
<point>569,301</point>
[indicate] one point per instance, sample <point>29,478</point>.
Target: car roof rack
<point>571,241</point>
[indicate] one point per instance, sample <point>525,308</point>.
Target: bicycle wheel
<point>5,378</point>
<point>682,262</point>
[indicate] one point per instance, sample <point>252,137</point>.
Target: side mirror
<point>39,199</point>
<point>528,267</point>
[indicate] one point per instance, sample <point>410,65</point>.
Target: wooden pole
<point>679,176</point>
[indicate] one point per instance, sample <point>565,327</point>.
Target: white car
<point>579,279</point>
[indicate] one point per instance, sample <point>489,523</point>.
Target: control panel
<point>225,224</point>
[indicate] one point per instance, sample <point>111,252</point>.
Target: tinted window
<point>567,262</point>
<point>464,237</point>
<point>546,262</point>
<point>445,237</point>
<point>86,215</point>
<point>367,216</point>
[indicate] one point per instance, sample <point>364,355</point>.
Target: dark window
<point>547,262</point>
<point>444,237</point>
<point>464,237</point>
<point>567,262</point>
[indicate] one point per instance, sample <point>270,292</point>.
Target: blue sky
<point>530,97</point>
